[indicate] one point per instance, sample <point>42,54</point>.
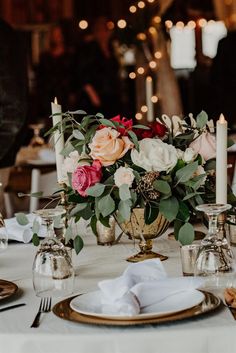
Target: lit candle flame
<point>55,100</point>
<point>222,119</point>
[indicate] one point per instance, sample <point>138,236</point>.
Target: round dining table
<point>211,333</point>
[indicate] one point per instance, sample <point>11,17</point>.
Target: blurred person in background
<point>13,98</point>
<point>98,73</point>
<point>55,76</point>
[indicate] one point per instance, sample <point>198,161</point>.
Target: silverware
<point>44,307</point>
<point>12,307</point>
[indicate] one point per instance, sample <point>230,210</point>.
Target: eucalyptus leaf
<point>169,208</point>
<point>134,139</point>
<point>106,205</point>
<point>150,213</point>
<point>93,224</point>
<point>77,112</point>
<point>107,122</point>
<point>140,126</point>
<point>186,234</point>
<point>124,209</point>
<point>162,186</point>
<point>36,226</point>
<point>99,115</point>
<point>96,190</point>
<point>36,194</point>
<point>202,119</point>
<point>78,244</point>
<point>124,192</point>
<point>22,219</point>
<point>78,208</point>
<point>35,239</point>
<point>78,135</point>
<point>186,172</point>
<point>68,234</point>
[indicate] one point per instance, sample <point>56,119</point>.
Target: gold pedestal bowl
<point>136,228</point>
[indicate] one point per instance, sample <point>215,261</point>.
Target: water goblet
<point>53,273</point>
<point>214,257</point>
<point>36,140</point>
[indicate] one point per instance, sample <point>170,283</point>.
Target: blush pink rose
<point>205,145</point>
<point>108,146</point>
<point>86,176</point>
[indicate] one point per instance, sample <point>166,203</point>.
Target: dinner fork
<point>44,307</point>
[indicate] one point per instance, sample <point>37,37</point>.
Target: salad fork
<point>44,307</point>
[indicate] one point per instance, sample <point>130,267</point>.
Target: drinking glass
<point>53,273</point>
<point>214,257</point>
<point>3,234</point>
<point>36,140</point>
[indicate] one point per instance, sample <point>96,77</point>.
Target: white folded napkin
<point>142,284</point>
<point>47,155</point>
<point>21,233</point>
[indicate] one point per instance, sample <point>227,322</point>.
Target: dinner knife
<point>12,307</point>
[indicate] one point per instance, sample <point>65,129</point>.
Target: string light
<point>132,9</point>
<point>110,25</point>
<point>132,75</point>
<point>211,22</point>
<point>141,4</point>
<point>140,70</point>
<point>202,22</point>
<point>180,25</point>
<point>141,36</point>
<point>152,64</point>
<point>151,1</point>
<point>158,55</point>
<point>152,30</point>
<point>83,24</point>
<point>138,116</point>
<point>157,19</point>
<point>169,24</point>
<point>191,24</point>
<point>121,24</point>
<point>144,109</point>
<point>154,99</point>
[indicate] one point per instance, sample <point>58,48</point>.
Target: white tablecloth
<point>214,333</point>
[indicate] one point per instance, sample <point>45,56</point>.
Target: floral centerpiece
<point>113,166</point>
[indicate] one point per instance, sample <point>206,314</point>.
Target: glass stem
<point>213,227</point>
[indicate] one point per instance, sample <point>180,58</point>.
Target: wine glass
<point>3,234</point>
<point>214,258</point>
<point>37,140</point>
<point>53,273</point>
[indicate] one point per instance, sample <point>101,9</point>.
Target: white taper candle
<point>149,94</point>
<point>58,139</point>
<point>221,160</point>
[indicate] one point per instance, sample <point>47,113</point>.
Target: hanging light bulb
<point>83,24</point>
<point>140,70</point>
<point>138,116</point>
<point>132,9</point>
<point>121,24</point>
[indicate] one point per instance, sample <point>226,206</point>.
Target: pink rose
<point>107,146</point>
<point>86,176</point>
<point>205,145</point>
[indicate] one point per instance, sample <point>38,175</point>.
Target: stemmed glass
<point>214,257</point>
<point>3,234</point>
<point>53,273</point>
<point>37,140</point>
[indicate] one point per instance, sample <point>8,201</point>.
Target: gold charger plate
<point>7,289</point>
<point>64,311</point>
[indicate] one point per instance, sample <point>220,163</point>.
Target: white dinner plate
<point>40,162</point>
<point>90,304</point>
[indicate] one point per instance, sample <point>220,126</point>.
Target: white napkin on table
<point>21,233</point>
<point>142,284</point>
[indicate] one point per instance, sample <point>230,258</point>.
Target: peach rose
<point>205,145</point>
<point>108,146</point>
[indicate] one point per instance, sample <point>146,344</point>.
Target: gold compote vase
<point>136,228</point>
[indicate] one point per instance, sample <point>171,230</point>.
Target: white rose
<point>189,155</point>
<point>124,175</point>
<point>180,153</point>
<point>71,163</point>
<point>155,155</point>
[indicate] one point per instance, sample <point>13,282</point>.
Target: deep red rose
<point>155,129</point>
<point>86,176</point>
<point>127,123</point>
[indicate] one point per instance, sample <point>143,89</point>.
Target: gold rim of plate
<point>7,289</point>
<point>209,304</point>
